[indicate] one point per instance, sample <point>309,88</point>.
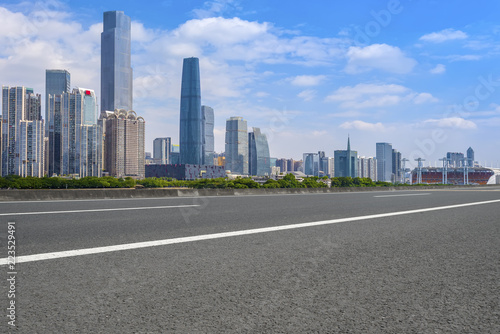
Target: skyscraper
<point>191,132</point>
<point>116,70</point>
<point>258,153</point>
<point>346,162</point>
<point>237,145</point>
<point>22,132</point>
<point>396,166</point>
<point>74,143</point>
<point>384,161</point>
<point>56,83</point>
<point>207,132</point>
<point>161,150</point>
<point>310,165</point>
<point>470,157</point>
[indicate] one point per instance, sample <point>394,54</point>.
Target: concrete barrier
<point>111,193</point>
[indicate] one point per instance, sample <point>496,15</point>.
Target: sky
<point>423,75</point>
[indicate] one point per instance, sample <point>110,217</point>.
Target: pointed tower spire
<point>348,143</point>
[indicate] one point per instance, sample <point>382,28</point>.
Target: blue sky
<point>423,75</point>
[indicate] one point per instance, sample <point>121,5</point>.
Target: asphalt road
<point>415,272</point>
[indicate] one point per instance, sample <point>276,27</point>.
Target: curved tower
<point>191,131</point>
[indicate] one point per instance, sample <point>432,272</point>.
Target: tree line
<point>288,181</point>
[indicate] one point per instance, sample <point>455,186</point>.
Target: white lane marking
<point>95,210</point>
<point>115,248</point>
<point>402,195</point>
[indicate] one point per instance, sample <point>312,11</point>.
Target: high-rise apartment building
<point>161,150</point>
<point>56,83</point>
<point>207,133</point>
<point>384,162</point>
<point>346,162</point>
<point>124,144</point>
<point>191,122</point>
<point>116,70</point>
<point>74,137</point>
<point>22,132</point>
<point>237,145</point>
<point>367,167</point>
<point>258,153</point>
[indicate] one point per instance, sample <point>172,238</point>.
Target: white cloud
<point>464,57</point>
<point>307,80</point>
<point>307,95</point>
<point>363,126</point>
<point>451,122</point>
<point>439,69</point>
<point>376,96</point>
<point>444,35</point>
<point>380,57</point>
<point>424,98</point>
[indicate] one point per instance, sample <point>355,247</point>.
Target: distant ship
<point>433,175</point>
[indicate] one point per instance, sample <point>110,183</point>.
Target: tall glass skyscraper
<point>116,70</point>
<point>384,162</point>
<point>346,162</point>
<point>74,146</point>
<point>258,153</point>
<point>237,145</point>
<point>191,141</point>
<point>207,115</point>
<point>56,83</point>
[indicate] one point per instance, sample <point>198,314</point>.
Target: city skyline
<point>428,89</point>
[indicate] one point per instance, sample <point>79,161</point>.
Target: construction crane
<point>419,170</point>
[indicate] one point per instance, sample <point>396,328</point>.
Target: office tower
<point>384,162</point>
<point>237,145</point>
<point>22,132</point>
<point>396,166</point>
<point>282,164</point>
<point>191,141</point>
<point>161,150</point>
<point>207,134</point>
<point>116,70</point>
<point>56,83</point>
<point>290,165</point>
<point>74,137</point>
<point>323,164</point>
<point>124,144</point>
<point>346,162</point>
<point>258,153</point>
<point>470,157</point>
<point>455,159</point>
<point>310,164</point>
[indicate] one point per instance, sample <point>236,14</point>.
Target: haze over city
<point>423,75</point>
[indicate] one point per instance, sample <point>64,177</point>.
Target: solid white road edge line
<point>96,210</point>
<point>115,248</point>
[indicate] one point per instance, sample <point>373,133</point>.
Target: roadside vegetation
<point>289,181</point>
